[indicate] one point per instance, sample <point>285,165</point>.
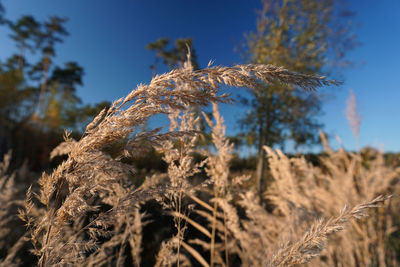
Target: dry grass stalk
<point>352,115</point>
<point>313,241</point>
<point>7,202</point>
<point>218,170</point>
<point>302,192</point>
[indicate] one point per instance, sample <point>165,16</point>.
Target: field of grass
<point>97,209</point>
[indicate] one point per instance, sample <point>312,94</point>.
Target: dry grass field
<point>96,209</point>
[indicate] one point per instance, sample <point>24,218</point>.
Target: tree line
<point>38,99</point>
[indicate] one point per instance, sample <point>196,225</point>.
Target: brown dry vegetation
<point>93,210</point>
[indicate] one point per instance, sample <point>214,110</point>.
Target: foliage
<point>306,36</point>
<point>39,99</point>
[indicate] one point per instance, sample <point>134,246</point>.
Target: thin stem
<point>226,241</point>
<point>213,230</point>
<point>179,224</point>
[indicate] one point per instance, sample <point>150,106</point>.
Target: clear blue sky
<point>108,39</point>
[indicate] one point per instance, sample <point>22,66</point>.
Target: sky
<point>108,38</point>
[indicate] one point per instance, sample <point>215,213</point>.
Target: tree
<point>26,36</point>
<point>23,83</point>
<point>16,101</point>
<point>3,20</point>
<point>309,36</point>
<point>10,82</point>
<point>53,32</point>
<point>158,47</point>
<point>175,56</point>
<point>62,103</point>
